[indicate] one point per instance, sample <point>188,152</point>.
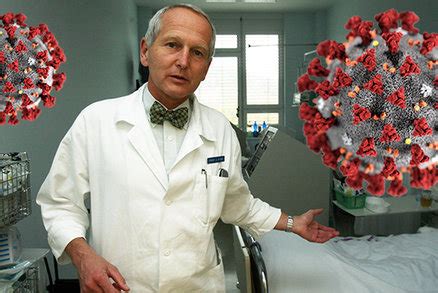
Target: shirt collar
<point>148,100</point>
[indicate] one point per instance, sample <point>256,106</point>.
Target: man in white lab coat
<point>160,169</point>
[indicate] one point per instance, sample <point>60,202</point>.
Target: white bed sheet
<point>403,263</point>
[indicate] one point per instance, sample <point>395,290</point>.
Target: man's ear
<point>143,53</point>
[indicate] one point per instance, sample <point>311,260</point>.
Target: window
<point>262,69</point>
<point>244,78</point>
<point>220,90</point>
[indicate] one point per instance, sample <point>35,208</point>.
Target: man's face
<point>178,59</point>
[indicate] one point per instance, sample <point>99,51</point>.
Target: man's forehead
<point>179,15</point>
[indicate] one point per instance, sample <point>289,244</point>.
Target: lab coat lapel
<point>199,126</point>
<point>141,136</point>
<point>143,141</point>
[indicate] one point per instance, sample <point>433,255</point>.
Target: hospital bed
<point>279,172</point>
<point>284,262</point>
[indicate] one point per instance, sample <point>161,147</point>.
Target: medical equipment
<point>14,188</point>
<point>285,174</point>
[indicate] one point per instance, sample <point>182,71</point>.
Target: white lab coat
<point>155,227</point>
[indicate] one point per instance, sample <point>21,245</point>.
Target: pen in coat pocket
<point>205,174</point>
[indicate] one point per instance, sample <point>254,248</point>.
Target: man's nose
<point>183,58</point>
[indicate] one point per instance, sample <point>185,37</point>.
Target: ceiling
<point>279,6</point>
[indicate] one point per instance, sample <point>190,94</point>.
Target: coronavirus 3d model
<point>376,114</point>
<point>29,60</point>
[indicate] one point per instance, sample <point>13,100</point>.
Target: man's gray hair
<point>155,24</point>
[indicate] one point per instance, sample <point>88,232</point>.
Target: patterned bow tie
<point>177,118</point>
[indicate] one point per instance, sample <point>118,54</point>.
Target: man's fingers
<point>106,285</point>
<point>325,228</point>
<point>120,282</point>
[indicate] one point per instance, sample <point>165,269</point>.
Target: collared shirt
<point>169,138</point>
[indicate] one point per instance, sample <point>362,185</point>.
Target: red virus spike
<point>7,18</point>
<point>9,109</point>
<point>418,155</point>
<point>44,87</point>
<point>409,67</point>
<point>389,168</point>
<point>360,114</point>
<point>430,41</point>
<point>376,184</point>
<point>2,118</point>
<point>375,85</point>
<point>25,101</point>
<point>14,66</point>
<point>305,83</point>
<point>396,188</point>
<point>367,148</point>
<point>330,158</point>
<point>58,81</point>
<point>33,32</point>
<point>316,69</point>
<point>353,23</point>
<point>392,40</point>
<point>350,168</point>
<point>11,32</point>
<point>43,72</point>
<point>20,47</point>
<point>2,57</point>
<point>423,178</point>
<point>341,79</point>
<point>307,112</point>
<point>325,90</point>
<point>368,59</point>
<point>48,101</point>
<point>20,18</point>
<point>8,87</point>
<point>389,134</point>
<point>28,83</point>
<point>321,124</point>
<point>42,55</point>
<point>398,98</point>
<point>355,181</point>
<point>387,20</point>
<point>30,114</point>
<point>408,19</point>
<point>331,50</point>
<point>363,31</point>
<point>13,119</point>
<point>43,28</point>
<point>421,128</point>
<point>435,81</point>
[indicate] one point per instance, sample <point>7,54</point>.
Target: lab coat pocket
<point>209,197</point>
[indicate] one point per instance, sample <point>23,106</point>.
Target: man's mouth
<point>179,77</point>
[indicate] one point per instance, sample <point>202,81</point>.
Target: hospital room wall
<point>341,11</point>
<point>99,38</point>
<point>301,31</point>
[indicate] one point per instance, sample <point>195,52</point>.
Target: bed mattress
<point>402,263</point>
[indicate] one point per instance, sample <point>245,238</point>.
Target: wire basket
<point>28,282</point>
<point>14,188</point>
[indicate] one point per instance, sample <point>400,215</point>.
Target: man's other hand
<point>95,273</point>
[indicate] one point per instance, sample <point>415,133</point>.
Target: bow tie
<point>177,118</point>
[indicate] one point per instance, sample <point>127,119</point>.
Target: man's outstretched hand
<point>305,226</point>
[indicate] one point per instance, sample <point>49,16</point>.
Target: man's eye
<point>171,45</point>
<point>199,53</point>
